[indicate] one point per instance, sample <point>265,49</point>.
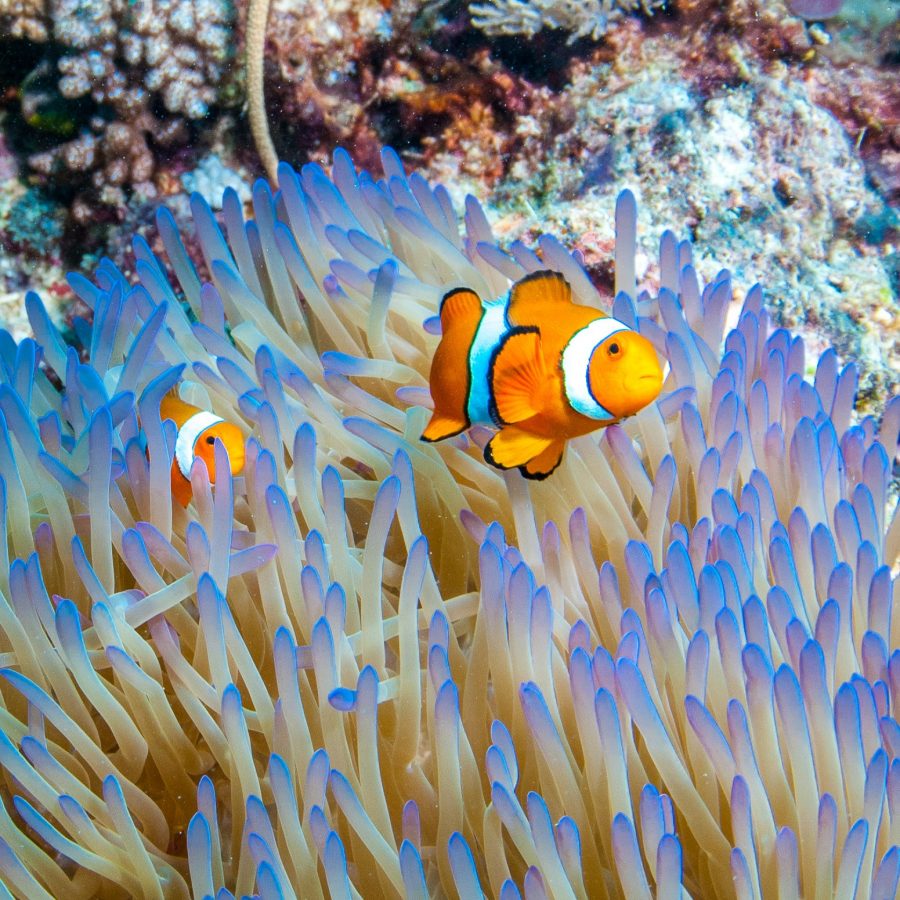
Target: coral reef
<point>527,17</point>
<point>148,68</point>
<point>864,98</point>
<point>322,69</point>
<point>35,224</point>
<point>30,259</point>
<point>373,666</point>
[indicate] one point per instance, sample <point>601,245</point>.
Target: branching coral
<point>127,57</point>
<point>23,19</point>
<point>583,19</point>
<point>372,667</point>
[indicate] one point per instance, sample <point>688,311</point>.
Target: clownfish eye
<point>211,439</point>
<point>613,349</point>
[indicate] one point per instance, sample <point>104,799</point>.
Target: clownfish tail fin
<point>459,305</point>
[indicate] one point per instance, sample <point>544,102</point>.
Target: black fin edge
<point>451,292</point>
<point>444,437</point>
<point>540,476</point>
<point>489,458</point>
<point>542,273</point>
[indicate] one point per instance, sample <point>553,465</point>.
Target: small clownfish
<point>196,437</point>
<point>537,366</point>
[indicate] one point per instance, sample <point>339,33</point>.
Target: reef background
<point>776,140</point>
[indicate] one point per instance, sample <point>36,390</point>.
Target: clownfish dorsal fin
<point>530,297</point>
<point>517,376</point>
<point>459,305</point>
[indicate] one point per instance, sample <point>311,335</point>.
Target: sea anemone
<point>375,667</point>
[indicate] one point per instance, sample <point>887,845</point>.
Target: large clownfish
<point>196,437</point>
<point>537,366</point>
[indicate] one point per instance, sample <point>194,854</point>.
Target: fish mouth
<point>644,388</point>
<point>643,380</point>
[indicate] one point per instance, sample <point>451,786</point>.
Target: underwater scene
<point>449,448</point>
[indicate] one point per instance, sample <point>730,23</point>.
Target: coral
<point>24,19</point>
<point>35,223</point>
<point>9,165</point>
<point>123,52</point>
<point>462,110</point>
<point>323,61</point>
<point>150,67</point>
<point>210,179</point>
<point>583,19</point>
<point>865,100</point>
<point>358,73</point>
<point>30,257</point>
<point>373,666</point>
<point>322,56</point>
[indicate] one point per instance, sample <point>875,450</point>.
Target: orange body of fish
<point>537,366</point>
<point>196,437</point>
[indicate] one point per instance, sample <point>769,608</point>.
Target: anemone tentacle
<point>372,666</point>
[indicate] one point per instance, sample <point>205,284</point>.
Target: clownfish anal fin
<point>530,297</point>
<point>544,463</point>
<point>517,376</point>
<point>441,427</point>
<point>459,305</point>
<point>511,447</point>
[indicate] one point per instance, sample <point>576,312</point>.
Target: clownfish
<point>537,366</point>
<point>196,437</point>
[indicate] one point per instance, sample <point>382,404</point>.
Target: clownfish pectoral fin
<point>459,305</point>
<point>511,447</point>
<point>517,376</point>
<point>544,463</point>
<point>441,427</point>
<point>533,297</point>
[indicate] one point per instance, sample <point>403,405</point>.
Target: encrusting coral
<point>375,667</point>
